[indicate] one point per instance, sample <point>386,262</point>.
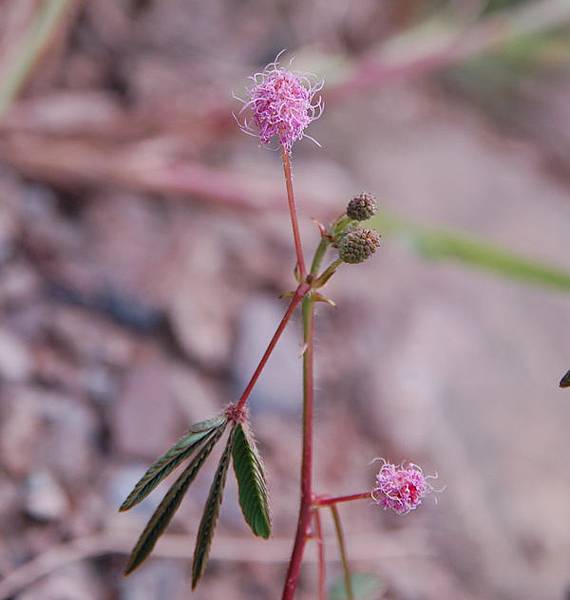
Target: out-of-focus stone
<point>198,297</point>
<point>195,394</point>
<point>72,582</point>
<point>159,579</point>
<point>69,437</point>
<point>279,388</point>
<point>18,284</point>
<point>45,500</point>
<point>145,418</point>
<point>91,337</point>
<point>15,360</point>
<point>19,429</point>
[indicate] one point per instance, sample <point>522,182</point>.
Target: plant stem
<point>319,255</point>
<point>342,550</point>
<point>293,212</point>
<point>299,294</point>
<point>339,499</point>
<point>321,552</point>
<point>307,454</point>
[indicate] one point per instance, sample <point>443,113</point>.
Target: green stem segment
<point>319,255</point>
<point>305,510</point>
<point>342,550</point>
<point>307,498</point>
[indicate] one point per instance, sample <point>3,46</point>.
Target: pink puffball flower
<point>282,104</point>
<point>400,488</point>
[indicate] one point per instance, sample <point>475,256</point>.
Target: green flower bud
<point>362,207</point>
<point>358,244</point>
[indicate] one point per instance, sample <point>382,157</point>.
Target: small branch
<point>175,547</point>
<point>321,555</point>
<point>342,550</point>
<point>293,212</point>
<point>339,499</point>
<point>297,297</point>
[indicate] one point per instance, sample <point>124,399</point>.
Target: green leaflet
<point>211,513</point>
<point>171,501</point>
<point>162,467</point>
<point>253,495</point>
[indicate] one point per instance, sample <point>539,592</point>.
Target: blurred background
<point>144,242</point>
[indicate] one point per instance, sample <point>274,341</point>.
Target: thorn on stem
<point>321,298</point>
<point>297,273</point>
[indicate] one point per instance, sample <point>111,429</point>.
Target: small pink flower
<point>400,488</point>
<point>282,105</point>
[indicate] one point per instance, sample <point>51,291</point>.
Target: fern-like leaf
<point>161,468</point>
<point>252,484</point>
<point>210,514</point>
<point>171,501</point>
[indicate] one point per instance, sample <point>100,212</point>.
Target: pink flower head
<point>400,488</point>
<point>283,106</point>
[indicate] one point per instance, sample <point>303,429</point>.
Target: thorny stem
<point>293,212</point>
<point>338,499</point>
<point>299,294</point>
<point>303,522</point>
<point>342,550</point>
<point>321,553</point>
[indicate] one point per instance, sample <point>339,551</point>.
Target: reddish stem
<point>338,499</point>
<point>300,292</point>
<point>305,509</point>
<point>321,552</point>
<point>293,212</point>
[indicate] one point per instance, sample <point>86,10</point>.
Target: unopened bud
<point>362,207</point>
<point>358,244</point>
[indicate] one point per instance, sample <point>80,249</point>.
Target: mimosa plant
<point>282,104</point>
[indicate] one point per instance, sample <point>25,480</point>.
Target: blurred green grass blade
<point>441,244</point>
<point>24,56</point>
<point>366,586</point>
